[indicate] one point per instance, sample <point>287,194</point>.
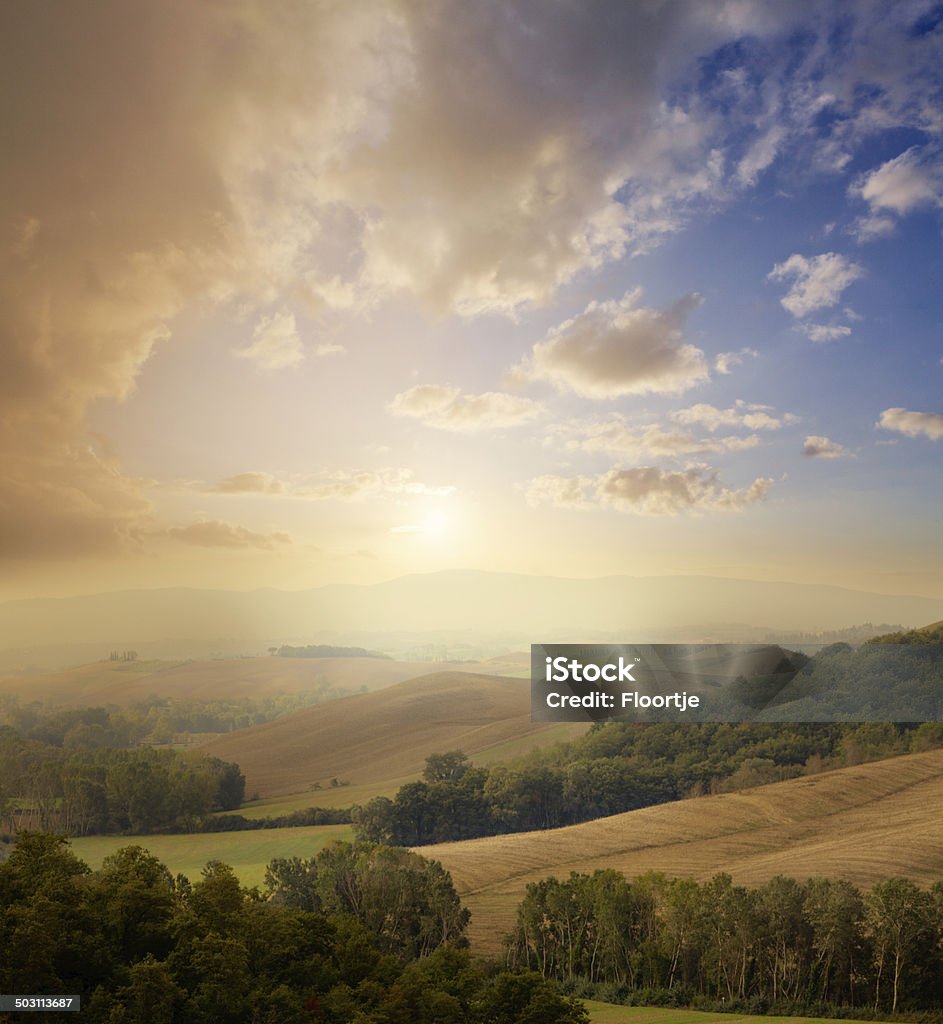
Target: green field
<point>606,1013</point>
<point>247,852</point>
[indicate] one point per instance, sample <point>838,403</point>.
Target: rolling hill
<point>862,823</point>
<point>382,739</point>
<point>123,683</point>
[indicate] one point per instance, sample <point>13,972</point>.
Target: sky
<point>304,293</point>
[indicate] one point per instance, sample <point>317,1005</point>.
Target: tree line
<point>820,946</point>
<point>87,792</point>
<point>618,767</point>
<point>153,720</point>
<point>356,935</point>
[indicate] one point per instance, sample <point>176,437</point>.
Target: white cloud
<point>725,361</point>
<point>913,424</point>
<point>818,281</point>
<point>819,447</point>
<point>614,436</point>
<point>647,490</point>
<point>866,229</point>
<point>275,343</point>
<point>908,181</point>
<point>821,333</point>
<point>447,408</point>
<point>741,414</point>
<point>329,348</point>
<point>619,348</point>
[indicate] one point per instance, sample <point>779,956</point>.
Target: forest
<point>358,935</point>
<point>820,947</point>
<point>620,767</point>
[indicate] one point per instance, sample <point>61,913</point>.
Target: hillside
<point>123,683</point>
<point>862,823</point>
<point>385,737</point>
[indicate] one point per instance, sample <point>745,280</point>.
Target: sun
<point>435,525</point>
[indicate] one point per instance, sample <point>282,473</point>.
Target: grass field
<point>247,852</point>
<point>377,739</point>
<point>606,1013</point>
<point>862,823</point>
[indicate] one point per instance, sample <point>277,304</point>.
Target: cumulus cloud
<point>475,157</point>
<point>818,447</point>
<point>913,424</point>
<point>741,414</point>
<point>447,408</point>
<point>619,348</point>
<point>647,490</point>
<point>216,534</point>
<point>821,333</point>
<point>724,362</point>
<point>818,281</point>
<point>250,483</point>
<point>275,343</point>
<point>614,436</point>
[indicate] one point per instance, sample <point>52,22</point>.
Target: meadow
<point>247,853</point>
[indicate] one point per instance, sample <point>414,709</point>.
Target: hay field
<point>862,823</point>
<point>247,852</point>
<point>122,683</point>
<point>385,737</point>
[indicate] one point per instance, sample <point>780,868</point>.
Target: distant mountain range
<point>531,608</point>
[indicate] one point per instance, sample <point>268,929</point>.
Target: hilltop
<point>862,823</point>
<point>384,737</point>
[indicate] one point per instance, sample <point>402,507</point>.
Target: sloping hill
<point>384,736</point>
<point>862,823</point>
<point>123,683</point>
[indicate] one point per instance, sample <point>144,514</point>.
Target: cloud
<point>619,348</point>
<point>250,483</point>
<point>647,490</point>
<point>818,281</point>
<point>344,485</point>
<point>725,361</point>
<point>216,534</point>
<point>275,343</point>
<point>476,159</point>
<point>823,448</point>
<point>866,229</point>
<point>821,333</point>
<point>446,408</point>
<point>902,184</point>
<point>741,414</point>
<point>614,436</point>
<point>913,424</point>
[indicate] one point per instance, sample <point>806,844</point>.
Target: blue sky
<point>362,290</point>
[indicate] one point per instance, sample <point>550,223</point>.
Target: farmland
<point>862,823</point>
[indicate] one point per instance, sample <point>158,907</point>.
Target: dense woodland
<point>816,947</point>
<point>620,767</point>
<point>85,792</point>
<point>357,935</point>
